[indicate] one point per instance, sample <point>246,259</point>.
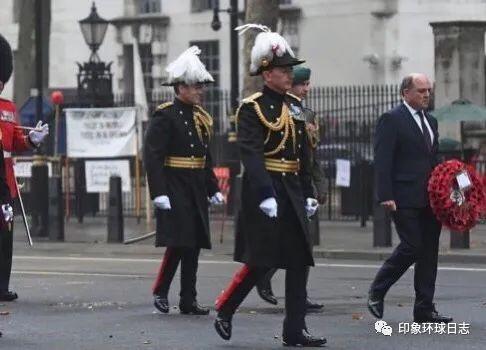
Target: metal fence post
<point>115,211</point>
<point>40,197</point>
<point>56,210</point>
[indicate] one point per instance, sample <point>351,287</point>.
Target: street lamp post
<point>232,153</point>
<point>94,90</point>
<point>94,77</point>
<point>216,25</point>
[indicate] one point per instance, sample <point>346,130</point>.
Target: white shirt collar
<point>412,111</point>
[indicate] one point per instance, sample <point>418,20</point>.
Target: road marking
<point>222,262</point>
<point>61,273</point>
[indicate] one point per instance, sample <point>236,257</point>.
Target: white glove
<point>39,134</point>
<point>162,202</point>
<point>7,211</point>
<point>311,206</point>
<point>269,207</point>
<point>217,199</point>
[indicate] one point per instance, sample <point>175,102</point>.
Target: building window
<point>210,58</point>
<point>285,2</point>
<point>202,5</point>
<point>289,29</point>
<point>149,6</point>
<point>147,60</point>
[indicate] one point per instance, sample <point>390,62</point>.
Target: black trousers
<point>248,276</point>
<point>188,257</point>
<point>6,244</point>
<point>419,233</point>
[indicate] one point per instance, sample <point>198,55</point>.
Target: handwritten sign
<point>343,172</point>
<point>100,132</point>
<point>98,174</point>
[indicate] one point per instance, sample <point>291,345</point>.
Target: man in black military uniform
<point>300,89</point>
<point>181,180</point>
<point>277,196</point>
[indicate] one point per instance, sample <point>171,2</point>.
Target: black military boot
<point>192,308</point>
<point>8,295</point>
<point>161,304</point>
<point>223,326</point>
<point>313,307</point>
<point>303,338</point>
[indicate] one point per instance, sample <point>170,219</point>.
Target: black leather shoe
<point>8,296</point>
<point>161,304</point>
<point>267,295</point>
<point>223,326</point>
<point>375,305</point>
<point>193,309</point>
<point>431,317</point>
<point>313,307</point>
<point>303,338</point>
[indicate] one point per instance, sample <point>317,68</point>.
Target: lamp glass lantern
<point>94,29</point>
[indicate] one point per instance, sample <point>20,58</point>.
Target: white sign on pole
<point>24,169</point>
<point>98,174</point>
<point>343,172</point>
<point>100,132</point>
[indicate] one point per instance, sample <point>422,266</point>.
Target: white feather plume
<point>188,68</point>
<point>267,44</point>
<point>243,28</point>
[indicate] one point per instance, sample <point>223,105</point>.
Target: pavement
<point>339,240</point>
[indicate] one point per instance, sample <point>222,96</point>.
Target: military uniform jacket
<point>180,130</point>
<point>260,240</point>
<point>12,140</point>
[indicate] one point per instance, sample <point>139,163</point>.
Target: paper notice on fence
<point>98,174</point>
<point>100,132</point>
<point>343,172</point>
<point>24,169</point>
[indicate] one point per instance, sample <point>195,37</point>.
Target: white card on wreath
<point>463,180</point>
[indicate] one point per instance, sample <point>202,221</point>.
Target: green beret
<point>301,74</point>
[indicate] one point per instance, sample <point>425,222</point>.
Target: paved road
<point>76,302</point>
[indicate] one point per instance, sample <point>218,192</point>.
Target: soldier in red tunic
<point>12,139</point>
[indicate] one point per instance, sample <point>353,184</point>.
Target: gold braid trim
<point>312,137</point>
<point>164,105</point>
<point>283,122</point>
<point>203,119</point>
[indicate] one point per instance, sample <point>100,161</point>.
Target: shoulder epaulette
<point>293,96</point>
<point>164,105</point>
<point>252,98</point>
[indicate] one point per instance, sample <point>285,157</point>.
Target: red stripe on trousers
<point>160,274</point>
<point>239,276</point>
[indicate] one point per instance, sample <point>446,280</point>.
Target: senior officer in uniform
<point>12,139</point>
<point>406,144</point>
<point>300,89</point>
<point>181,180</point>
<point>277,196</point>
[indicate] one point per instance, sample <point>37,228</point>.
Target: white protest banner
<point>98,174</point>
<point>100,132</point>
<point>343,172</point>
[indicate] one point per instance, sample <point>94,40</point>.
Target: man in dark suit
<point>406,143</point>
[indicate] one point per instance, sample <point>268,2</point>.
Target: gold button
<point>300,131</point>
<point>282,160</point>
<point>300,146</point>
<point>281,132</point>
<point>185,122</point>
<point>190,133</point>
<point>296,173</point>
<point>192,157</point>
<point>298,159</point>
<point>192,145</point>
<point>283,174</point>
<point>271,107</point>
<point>180,112</point>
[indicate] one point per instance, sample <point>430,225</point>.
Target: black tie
<point>425,131</point>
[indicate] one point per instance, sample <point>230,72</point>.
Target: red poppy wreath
<point>457,195</point>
